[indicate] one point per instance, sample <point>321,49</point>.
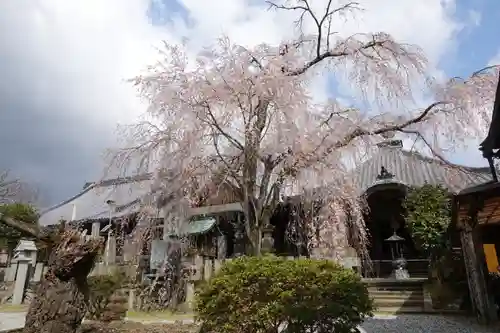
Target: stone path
<point>11,320</point>
<point>424,324</point>
<point>379,324</point>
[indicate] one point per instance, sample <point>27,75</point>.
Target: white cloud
<point>475,17</point>
<point>78,53</point>
<point>495,60</point>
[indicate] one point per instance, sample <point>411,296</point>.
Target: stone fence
<point>20,276</point>
<point>23,271</point>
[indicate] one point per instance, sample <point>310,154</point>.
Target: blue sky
<point>64,65</point>
<point>477,45</point>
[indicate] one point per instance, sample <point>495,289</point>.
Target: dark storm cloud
<point>62,90</point>
<point>45,149</point>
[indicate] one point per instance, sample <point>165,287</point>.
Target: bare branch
<point>429,146</point>
<point>14,190</point>
<point>215,124</point>
<point>336,54</point>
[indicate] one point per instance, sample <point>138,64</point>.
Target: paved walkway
<point>424,324</point>
<point>380,324</point>
<point>11,320</point>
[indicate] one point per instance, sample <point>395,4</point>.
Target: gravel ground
<point>424,324</point>
<point>378,324</point>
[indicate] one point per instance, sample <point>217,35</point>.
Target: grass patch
<point>13,308</point>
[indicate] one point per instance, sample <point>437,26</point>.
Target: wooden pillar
<point>476,278</point>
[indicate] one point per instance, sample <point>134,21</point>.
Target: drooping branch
<point>300,162</point>
<point>434,152</point>
<point>245,116</point>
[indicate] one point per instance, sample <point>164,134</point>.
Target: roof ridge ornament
<point>384,174</point>
<point>492,141</point>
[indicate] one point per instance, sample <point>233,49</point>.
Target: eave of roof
<point>414,169</point>
<point>94,202</point>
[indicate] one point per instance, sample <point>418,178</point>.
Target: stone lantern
<point>267,239</point>
<point>25,250</point>
<point>25,258</point>
<point>399,263</point>
<point>239,245</point>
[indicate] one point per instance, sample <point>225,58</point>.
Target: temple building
<point>111,207</point>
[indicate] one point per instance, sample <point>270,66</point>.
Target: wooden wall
<point>488,214</point>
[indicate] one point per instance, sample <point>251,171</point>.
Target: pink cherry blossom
<point>244,120</point>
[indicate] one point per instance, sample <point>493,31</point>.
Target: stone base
<point>401,274</point>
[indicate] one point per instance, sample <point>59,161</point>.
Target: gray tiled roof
<point>414,169</point>
<point>409,168</point>
<point>90,204</point>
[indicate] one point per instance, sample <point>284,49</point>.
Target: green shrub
<point>23,212</point>
<point>428,218</point>
<point>104,302</point>
<point>259,294</point>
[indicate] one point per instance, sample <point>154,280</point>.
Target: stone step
<point>388,289</point>
<point>386,310</point>
<point>395,302</point>
<point>396,294</point>
<point>394,282</point>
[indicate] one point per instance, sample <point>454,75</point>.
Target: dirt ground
<point>131,327</point>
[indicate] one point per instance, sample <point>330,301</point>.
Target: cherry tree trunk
<point>60,299</point>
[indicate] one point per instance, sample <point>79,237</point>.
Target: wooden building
<point>114,205</point>
<point>477,216</point>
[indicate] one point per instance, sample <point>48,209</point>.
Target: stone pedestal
<point>198,268</point>
<point>10,274</point>
<point>129,250</point>
<point>131,299</point>
<point>110,255</point>
<point>4,257</point>
<point>190,293</point>
<point>38,272</point>
<point>23,265</point>
<point>217,266</point>
<point>400,272</point>
<point>207,269</point>
<point>96,229</point>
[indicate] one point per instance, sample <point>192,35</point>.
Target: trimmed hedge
<point>260,294</point>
